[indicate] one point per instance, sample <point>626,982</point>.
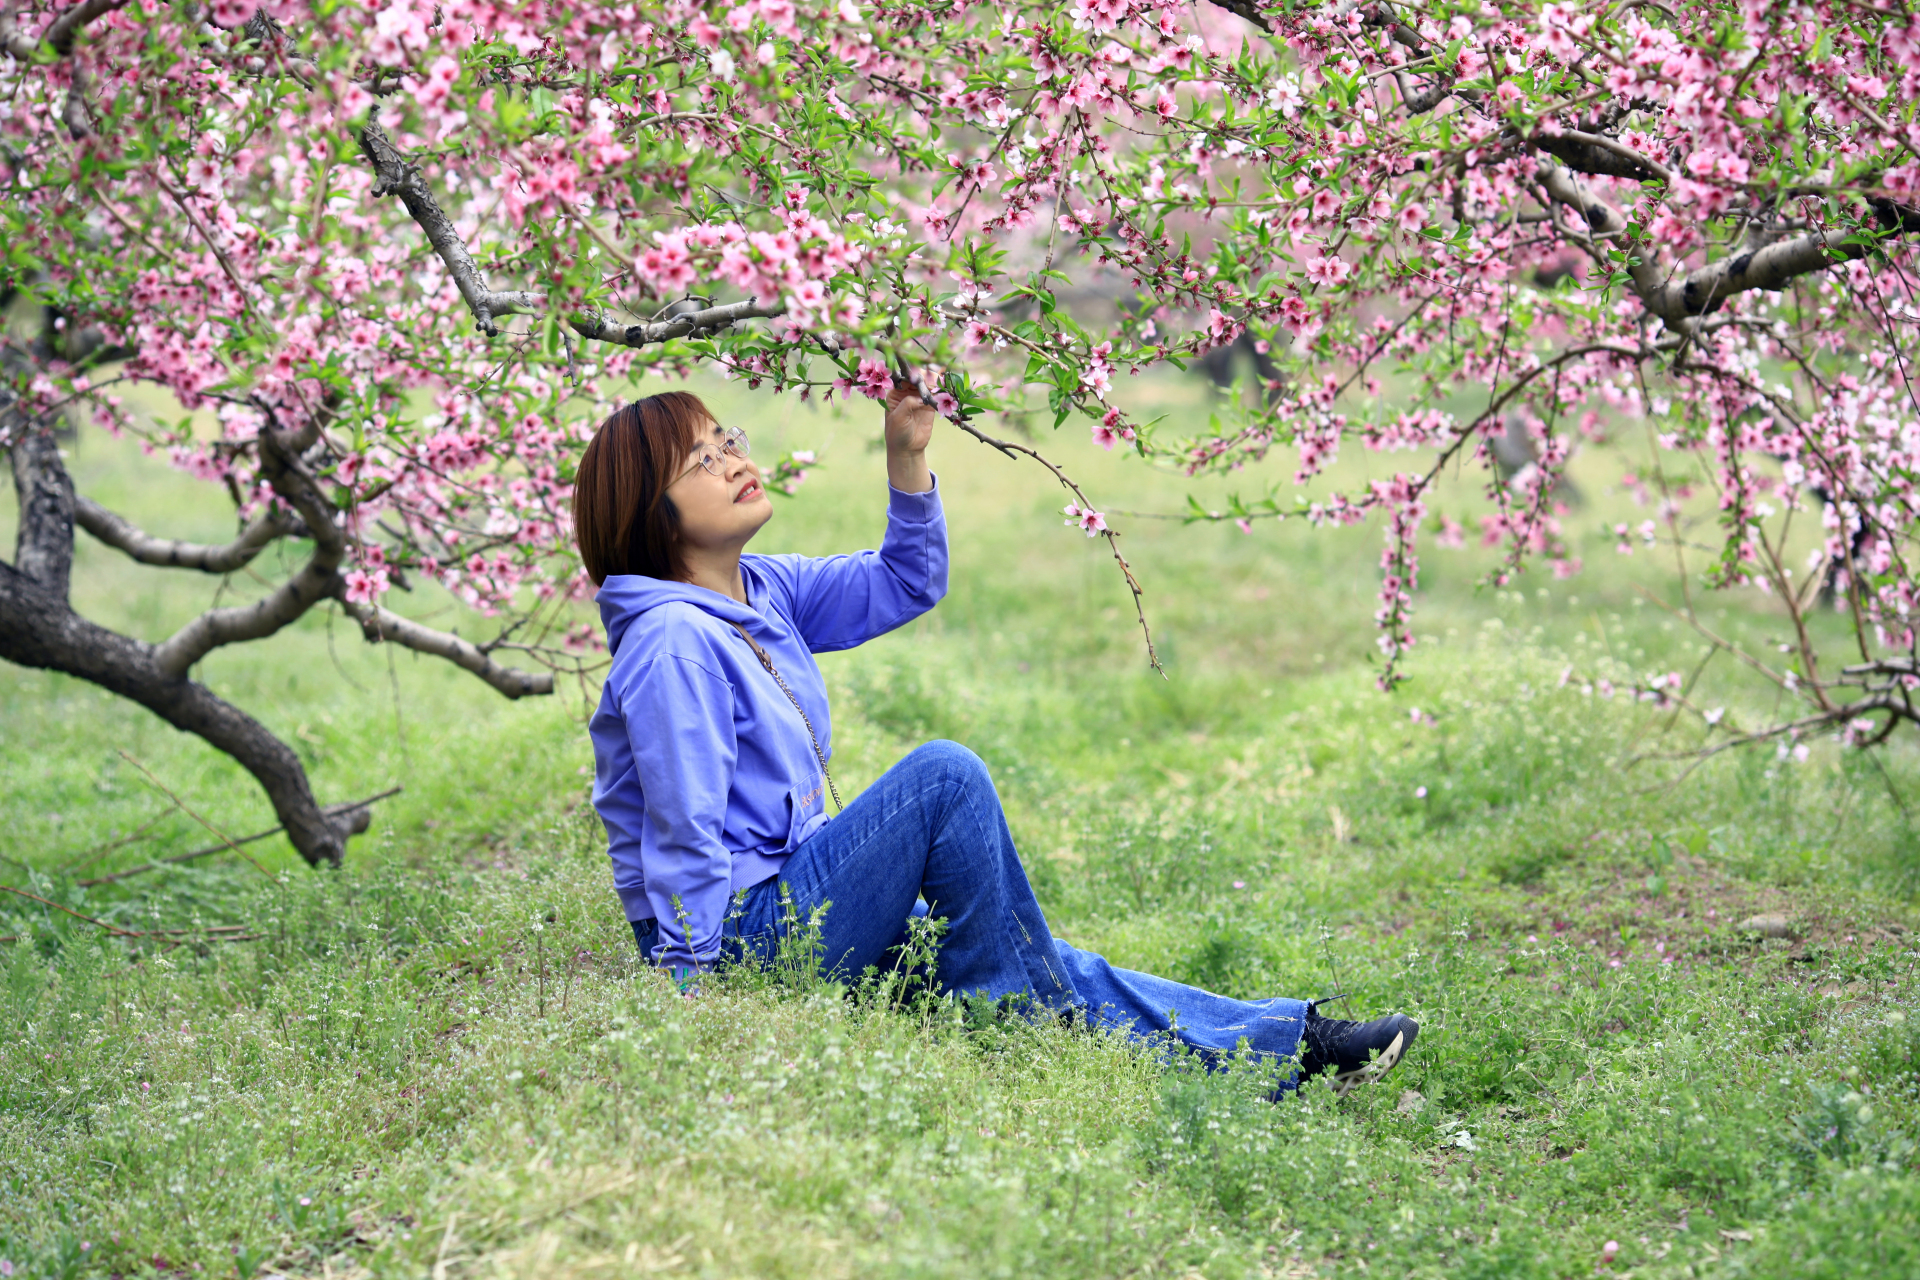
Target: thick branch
<point>43,550</point>
<point>379,624</point>
<point>1246,11</point>
<point>37,629</point>
<point>118,532</point>
<point>396,175</point>
<point>691,324</point>
<point>59,36</point>
<point>1677,298</point>
<point>317,580</point>
<point>1594,154</point>
<point>1770,268</point>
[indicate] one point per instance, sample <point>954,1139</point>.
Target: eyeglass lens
<point>735,443</point>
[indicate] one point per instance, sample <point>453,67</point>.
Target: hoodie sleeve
<point>680,723</point>
<point>838,602</point>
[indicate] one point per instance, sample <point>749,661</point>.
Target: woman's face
<point>719,497</point>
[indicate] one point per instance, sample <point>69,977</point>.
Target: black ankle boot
<point>1356,1052</point>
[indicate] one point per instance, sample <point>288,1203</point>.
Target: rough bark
<point>394,174</point>
<point>38,628</point>
<point>1678,297</point>
<point>43,550</point>
<point>692,323</point>
<point>379,624</point>
<point>120,533</point>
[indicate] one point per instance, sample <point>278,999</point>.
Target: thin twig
<point>110,928</point>
<point>100,851</point>
<point>174,859</point>
<point>186,809</point>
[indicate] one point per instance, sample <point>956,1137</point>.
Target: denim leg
<point>931,826</point>
<point>1145,1006</point>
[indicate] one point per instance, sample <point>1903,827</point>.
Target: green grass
<point>445,1060</point>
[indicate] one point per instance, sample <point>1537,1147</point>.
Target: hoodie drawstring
<point>767,662</point>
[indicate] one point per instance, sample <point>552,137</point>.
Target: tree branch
<point>691,324</point>
<point>1679,298</point>
<point>38,629</point>
<point>379,624</point>
<point>59,36</point>
<point>1418,104</point>
<point>1770,268</point>
<point>396,175</point>
<point>43,548</point>
<point>1594,154</point>
<point>1246,11</point>
<point>317,580</point>
<point>118,532</point>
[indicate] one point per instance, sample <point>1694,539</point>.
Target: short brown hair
<point>622,518</point>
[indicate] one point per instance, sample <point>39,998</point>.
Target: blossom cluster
<point>1483,237</point>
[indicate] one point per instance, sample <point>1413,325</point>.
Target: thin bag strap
<point>767,662</point>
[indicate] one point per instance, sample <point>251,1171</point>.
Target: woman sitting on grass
<point>712,739</point>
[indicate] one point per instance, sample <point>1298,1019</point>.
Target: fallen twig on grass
<point>100,851</point>
<point>186,809</point>
<point>168,937</point>
<point>114,929</point>
<point>332,811</point>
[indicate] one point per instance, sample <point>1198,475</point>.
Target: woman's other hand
<point>909,428</point>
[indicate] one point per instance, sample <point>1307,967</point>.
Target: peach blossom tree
<point>399,258</point>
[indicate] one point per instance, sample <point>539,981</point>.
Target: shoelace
<point>1325,1037</point>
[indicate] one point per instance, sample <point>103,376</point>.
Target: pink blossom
<point>365,587</point>
<point>874,379</point>
<point>1086,518</point>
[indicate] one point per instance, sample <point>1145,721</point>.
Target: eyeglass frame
<point>733,442</point>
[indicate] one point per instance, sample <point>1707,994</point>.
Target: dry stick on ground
<point>114,929</point>
<point>332,810</point>
<point>172,937</point>
<point>93,855</point>
<point>186,809</point>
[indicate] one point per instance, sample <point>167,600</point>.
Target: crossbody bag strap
<point>767,662</point>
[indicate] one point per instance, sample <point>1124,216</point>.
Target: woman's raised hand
<point>909,420</point>
<point>908,430</point>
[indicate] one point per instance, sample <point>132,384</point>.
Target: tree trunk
<point>38,628</point>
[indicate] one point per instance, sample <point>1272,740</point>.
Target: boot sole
<point>1389,1058</point>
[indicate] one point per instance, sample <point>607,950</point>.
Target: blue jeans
<point>931,828</point>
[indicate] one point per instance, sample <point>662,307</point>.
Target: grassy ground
<point>445,1060</point>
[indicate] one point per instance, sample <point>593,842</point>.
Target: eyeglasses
<point>711,455</point>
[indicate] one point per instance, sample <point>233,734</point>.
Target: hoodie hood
<point>624,597</point>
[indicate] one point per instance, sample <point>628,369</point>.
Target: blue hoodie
<point>703,773</point>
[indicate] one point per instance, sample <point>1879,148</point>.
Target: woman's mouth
<point>748,492</point>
